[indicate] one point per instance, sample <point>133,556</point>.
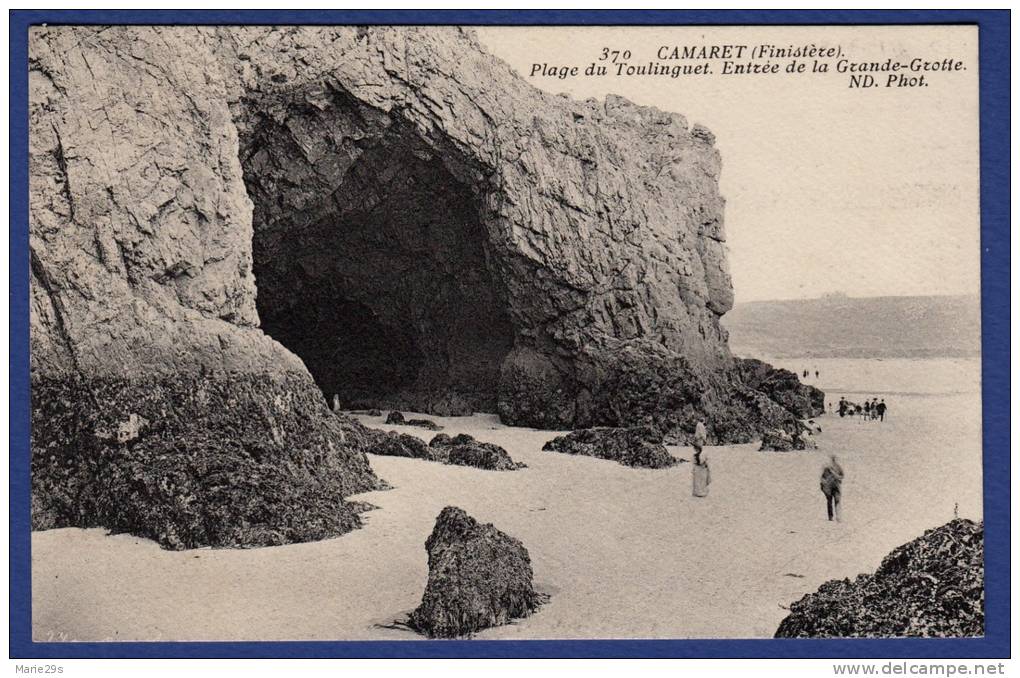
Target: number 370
<point>614,55</point>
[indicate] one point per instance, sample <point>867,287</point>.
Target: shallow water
<point>898,376</point>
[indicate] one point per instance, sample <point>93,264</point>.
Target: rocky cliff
<point>390,208</point>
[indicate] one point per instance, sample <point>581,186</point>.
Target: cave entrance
<point>371,261</point>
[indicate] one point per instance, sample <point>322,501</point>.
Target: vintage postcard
<point>372,332</point>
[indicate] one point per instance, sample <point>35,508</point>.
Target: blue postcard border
<point>994,46</point>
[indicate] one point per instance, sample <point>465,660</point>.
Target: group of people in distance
<point>871,409</point>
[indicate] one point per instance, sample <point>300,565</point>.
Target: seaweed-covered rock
<point>478,577</point>
<point>637,446</point>
<point>441,440</point>
<point>206,460</point>
<point>464,450</point>
<point>782,386</point>
<point>781,441</point>
<point>400,445</point>
<point>397,418</point>
<point>426,424</point>
<point>931,586</point>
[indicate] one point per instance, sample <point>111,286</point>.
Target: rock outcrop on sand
<point>640,447</point>
<point>460,450</point>
<point>237,460</point>
<point>427,231</point>
<point>782,386</point>
<point>781,441</point>
<point>479,577</point>
<point>464,450</point>
<point>932,586</point>
<point>396,417</point>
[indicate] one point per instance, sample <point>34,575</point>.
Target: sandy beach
<point>623,553</point>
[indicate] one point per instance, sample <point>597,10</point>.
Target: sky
<point>866,191</point>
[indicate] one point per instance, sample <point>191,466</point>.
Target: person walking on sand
<point>700,438</point>
<point>880,408</point>
<point>867,409</point>
<point>832,486</point>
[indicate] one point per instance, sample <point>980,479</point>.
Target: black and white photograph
<point>383,332</point>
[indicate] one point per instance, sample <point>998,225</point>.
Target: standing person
<point>842,407</point>
<point>816,374</point>
<point>881,410</point>
<point>832,487</point>
<point>700,478</point>
<point>700,438</point>
<point>867,409</point>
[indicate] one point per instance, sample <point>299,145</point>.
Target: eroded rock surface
<point>933,586</point>
<point>478,577</point>
<point>464,450</point>
<point>640,447</point>
<point>426,231</point>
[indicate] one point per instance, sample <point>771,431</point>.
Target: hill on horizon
<point>837,326</point>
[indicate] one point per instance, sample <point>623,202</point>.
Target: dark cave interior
<point>370,262</point>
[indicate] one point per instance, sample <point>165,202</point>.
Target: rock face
<point>640,447</point>
<point>783,387</point>
<point>478,577</point>
<point>932,586</point>
<point>425,230</point>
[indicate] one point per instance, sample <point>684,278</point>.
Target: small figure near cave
<point>832,487</point>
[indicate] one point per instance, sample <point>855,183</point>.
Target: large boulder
<point>478,577</point>
<point>640,447</point>
<point>193,460</point>
<point>932,586</point>
<point>427,231</point>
